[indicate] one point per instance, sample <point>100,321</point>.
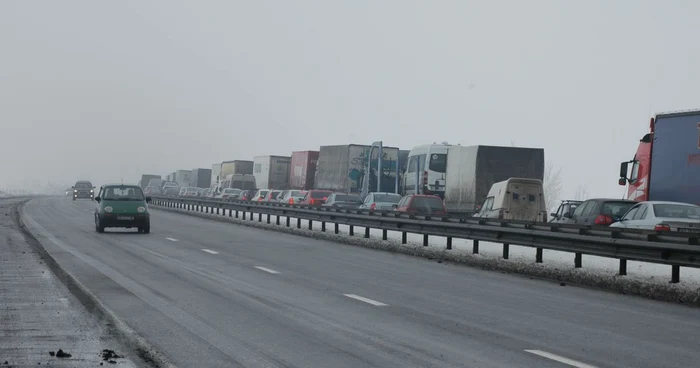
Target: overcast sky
<point>105,90</point>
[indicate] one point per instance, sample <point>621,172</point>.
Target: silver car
<point>380,201</point>
<point>662,216</point>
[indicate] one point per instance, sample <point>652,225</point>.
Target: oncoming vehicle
<point>428,165</point>
<point>120,205</point>
<point>83,189</point>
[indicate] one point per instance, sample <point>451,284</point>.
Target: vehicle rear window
<point>233,191</point>
<point>438,162</point>
<point>320,194</point>
<point>389,198</point>
<point>297,193</point>
<point>347,198</point>
<point>433,203</point>
<point>275,193</point>
<point>264,192</point>
<point>616,209</point>
<point>677,211</point>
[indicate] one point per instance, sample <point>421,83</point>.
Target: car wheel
<point>98,225</point>
<point>146,229</point>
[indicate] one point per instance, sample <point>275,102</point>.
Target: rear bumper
<point>138,220</point>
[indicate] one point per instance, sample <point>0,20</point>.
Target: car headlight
<point>75,191</point>
<point>109,209</point>
<point>141,209</point>
<point>92,191</point>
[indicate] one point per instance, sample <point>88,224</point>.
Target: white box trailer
<point>272,172</point>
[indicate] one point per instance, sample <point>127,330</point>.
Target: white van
<point>515,199</point>
<point>428,165</point>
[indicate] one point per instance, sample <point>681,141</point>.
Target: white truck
<point>272,172</point>
<point>515,199</point>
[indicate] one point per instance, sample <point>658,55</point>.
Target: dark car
<point>424,205</point>
<point>120,205</point>
<point>342,200</point>
<point>83,189</point>
<point>315,197</point>
<point>600,211</point>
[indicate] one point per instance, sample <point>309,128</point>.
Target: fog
<point>106,91</point>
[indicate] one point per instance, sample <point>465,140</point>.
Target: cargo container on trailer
<point>235,167</point>
<point>182,177</point>
<point>666,166</point>
<point>341,168</point>
<point>472,170</point>
<point>303,169</point>
<point>201,178</point>
<point>215,171</point>
<point>271,172</point>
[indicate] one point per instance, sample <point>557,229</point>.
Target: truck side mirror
<point>623,169</point>
<point>567,215</point>
<point>553,215</point>
<point>622,182</point>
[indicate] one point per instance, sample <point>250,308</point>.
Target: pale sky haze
<point>109,90</point>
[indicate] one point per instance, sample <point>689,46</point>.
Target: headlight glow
<point>75,191</point>
<point>108,209</point>
<point>141,209</point>
<point>92,191</point>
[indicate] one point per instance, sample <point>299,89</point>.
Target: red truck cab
<point>666,166</point>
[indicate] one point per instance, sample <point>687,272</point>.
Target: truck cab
<point>666,166</point>
<point>515,199</point>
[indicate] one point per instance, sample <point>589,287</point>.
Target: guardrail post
<point>675,274</point>
<point>323,226</point>
<point>623,267</point>
<point>288,220</point>
<point>236,214</point>
<point>506,250</point>
<point>268,218</point>
<point>217,210</point>
<point>259,217</point>
<point>336,228</point>
<point>366,232</point>
<point>404,236</point>
<point>206,209</point>
<point>352,230</point>
<point>311,225</point>
<point>298,223</point>
<point>425,240</point>
<point>384,234</point>
<point>538,255</point>
<point>252,214</point>
<point>449,242</point>
<point>230,213</point>
<point>475,246</point>
<point>577,260</point>
<point>244,215</point>
<point>277,220</point>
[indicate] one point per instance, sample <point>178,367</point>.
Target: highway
<point>212,294</point>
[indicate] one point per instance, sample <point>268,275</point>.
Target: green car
<point>120,205</point>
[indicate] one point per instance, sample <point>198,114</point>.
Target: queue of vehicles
<point>663,181</point>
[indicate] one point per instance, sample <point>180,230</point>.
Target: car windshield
<point>83,186</point>
<point>388,198</point>
<point>320,194</point>
<point>264,192</point>
<point>123,193</point>
<point>677,211</point>
<point>347,198</point>
<point>438,162</point>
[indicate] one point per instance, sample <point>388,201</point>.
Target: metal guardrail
<point>674,249</point>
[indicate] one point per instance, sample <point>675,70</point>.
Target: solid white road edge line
<point>268,270</point>
<point>560,359</point>
<point>366,300</point>
<point>209,251</point>
<point>171,239</point>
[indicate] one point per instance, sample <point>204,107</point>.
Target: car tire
<point>98,226</point>
<point>146,229</point>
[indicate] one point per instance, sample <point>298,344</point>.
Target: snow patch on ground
<point>644,279</point>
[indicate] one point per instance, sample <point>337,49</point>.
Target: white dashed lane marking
<point>366,300</point>
<point>209,251</point>
<point>560,359</point>
<point>268,270</point>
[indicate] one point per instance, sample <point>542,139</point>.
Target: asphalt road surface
<point>212,294</point>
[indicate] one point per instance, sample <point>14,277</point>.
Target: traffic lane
<point>577,322</point>
<point>263,319</point>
